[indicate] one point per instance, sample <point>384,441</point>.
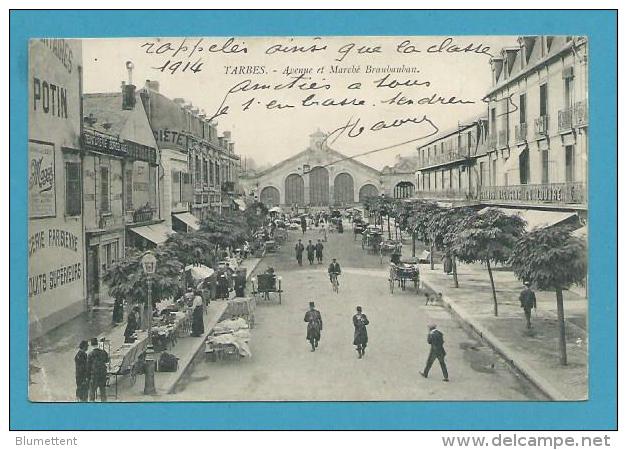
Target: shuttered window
<point>72,189</point>
<point>129,190</point>
<point>105,201</point>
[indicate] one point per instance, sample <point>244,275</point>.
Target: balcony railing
<point>541,125</point>
<point>443,158</point>
<point>503,138</point>
<point>520,132</point>
<point>565,119</point>
<point>492,141</point>
<point>144,214</point>
<point>580,114</point>
<point>550,193</point>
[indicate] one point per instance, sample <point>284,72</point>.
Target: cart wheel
<point>391,280</point>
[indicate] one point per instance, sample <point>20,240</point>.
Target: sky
<point>273,92</point>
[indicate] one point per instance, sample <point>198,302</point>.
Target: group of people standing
<point>91,371</point>
<point>314,251</point>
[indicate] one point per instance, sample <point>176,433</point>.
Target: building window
<point>482,177</point>
<point>105,200</point>
<point>570,164</point>
<point>545,166</point>
<point>544,106</point>
<point>568,92</point>
<point>522,105</point>
<point>523,161</point>
<point>176,187</point>
<point>128,181</point>
<point>73,205</point>
<point>205,172</point>
<point>198,172</point>
<point>493,177</point>
<point>110,255</point>
<point>493,121</point>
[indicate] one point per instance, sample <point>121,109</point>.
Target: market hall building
<point>321,177</point>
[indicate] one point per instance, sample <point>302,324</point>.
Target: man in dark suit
<point>299,248</point>
<point>311,251</point>
<point>527,302</point>
<point>314,325</point>
<point>82,375</point>
<point>436,339</point>
<point>334,270</point>
<point>97,365</point>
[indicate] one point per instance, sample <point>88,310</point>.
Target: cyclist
<point>334,271</point>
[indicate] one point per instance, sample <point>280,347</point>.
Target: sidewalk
<point>55,379</point>
<point>535,352</point>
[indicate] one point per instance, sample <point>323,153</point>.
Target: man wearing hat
<point>82,375</point>
<point>314,325</point>
<point>360,338</point>
<point>436,339</point>
<point>97,367</point>
<point>299,248</point>
<point>527,302</point>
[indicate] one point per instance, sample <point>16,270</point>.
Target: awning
<point>241,203</point>
<point>581,232</point>
<point>188,219</point>
<point>536,218</point>
<point>157,233</point>
<point>276,209</point>
<point>200,273</point>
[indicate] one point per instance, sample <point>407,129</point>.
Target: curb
<point>199,353</point>
<point>539,381</point>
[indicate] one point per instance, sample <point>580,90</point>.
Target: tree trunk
<point>413,244</point>
<point>560,318</point>
<point>496,306</point>
<point>431,256</point>
<point>455,280</point>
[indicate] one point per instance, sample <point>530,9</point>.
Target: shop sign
<point>112,146</point>
<point>41,180</point>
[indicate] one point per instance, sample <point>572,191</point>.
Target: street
<point>283,367</point>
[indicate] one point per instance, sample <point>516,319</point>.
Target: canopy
<point>200,273</point>
<point>156,233</point>
<point>581,232</point>
<point>188,219</point>
<point>241,203</point>
<point>536,218</point>
<point>276,209</point>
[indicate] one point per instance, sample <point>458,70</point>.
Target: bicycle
<point>335,283</point>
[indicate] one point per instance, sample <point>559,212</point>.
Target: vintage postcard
<point>308,218</point>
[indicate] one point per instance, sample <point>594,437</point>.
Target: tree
<point>443,227</point>
<point>126,279</point>
<point>418,224</point>
<point>489,238</point>
<point>551,259</point>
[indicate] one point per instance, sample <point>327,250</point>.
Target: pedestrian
<point>132,325</point>
<point>319,248</point>
<point>323,229</point>
<point>527,302</point>
<point>97,366</point>
<point>82,375</point>
<point>436,339</point>
<point>198,325</point>
<point>118,311</point>
<point>303,224</point>
<point>299,252</point>
<point>360,339</point>
<point>447,264</point>
<point>311,251</point>
<point>314,325</point>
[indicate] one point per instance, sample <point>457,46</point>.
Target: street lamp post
<point>149,266</point>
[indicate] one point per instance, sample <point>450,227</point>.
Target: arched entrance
<point>270,196</point>
<point>367,190</point>
<point>344,189</point>
<point>294,190</point>
<point>404,189</point>
<point>319,186</point>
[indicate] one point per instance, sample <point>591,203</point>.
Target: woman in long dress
<point>198,325</point>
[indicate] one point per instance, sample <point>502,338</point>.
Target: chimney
<point>128,96</point>
<point>153,85</point>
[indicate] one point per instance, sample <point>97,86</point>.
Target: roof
<point>469,123</point>
<point>338,157</point>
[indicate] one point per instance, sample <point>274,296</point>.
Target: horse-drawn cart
<point>407,270</point>
<point>265,284</point>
